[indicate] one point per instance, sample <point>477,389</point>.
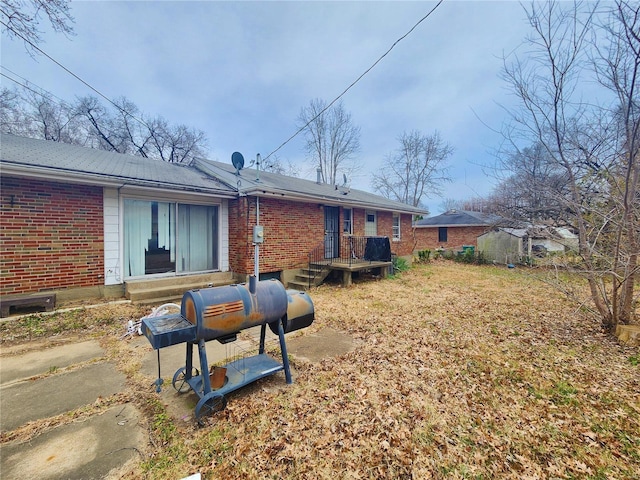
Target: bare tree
<point>448,204</point>
<point>87,122</point>
<point>105,129</point>
<point>532,187</point>
<point>417,169</point>
<point>593,146</point>
<point>332,139</point>
<point>128,131</point>
<point>275,164</point>
<point>136,132</point>
<point>33,113</point>
<point>174,144</point>
<point>12,115</point>
<point>52,120</point>
<point>21,18</point>
<point>477,204</point>
<point>617,65</point>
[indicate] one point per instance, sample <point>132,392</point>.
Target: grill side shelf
<point>168,330</point>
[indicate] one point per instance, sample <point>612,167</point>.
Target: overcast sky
<point>242,71</point>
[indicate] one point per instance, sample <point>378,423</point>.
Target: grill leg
<point>285,356</point>
<point>204,368</point>
<point>263,333</point>
<point>189,361</point>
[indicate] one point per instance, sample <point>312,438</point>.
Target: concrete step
<point>311,271</point>
<point>173,288</point>
<point>298,285</point>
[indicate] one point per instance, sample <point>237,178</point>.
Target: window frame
<point>443,234</point>
<point>347,223</point>
<point>396,228</point>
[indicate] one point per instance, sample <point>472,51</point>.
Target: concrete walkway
<point>54,381</point>
<point>48,383</point>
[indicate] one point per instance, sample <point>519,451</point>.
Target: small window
<point>396,227</point>
<point>347,226</point>
<point>442,234</point>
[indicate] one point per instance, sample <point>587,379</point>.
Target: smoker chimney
<point>319,179</point>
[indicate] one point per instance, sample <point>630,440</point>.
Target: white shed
<point>512,245</point>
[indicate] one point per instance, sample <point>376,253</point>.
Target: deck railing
<point>350,250</point>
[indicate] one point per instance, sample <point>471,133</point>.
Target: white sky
<point>241,72</point>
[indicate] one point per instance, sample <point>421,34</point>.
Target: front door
<point>331,232</point>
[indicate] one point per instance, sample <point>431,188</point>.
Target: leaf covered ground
<point>457,371</point>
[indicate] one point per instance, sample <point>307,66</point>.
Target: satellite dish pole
<point>258,231</point>
<point>258,235</point>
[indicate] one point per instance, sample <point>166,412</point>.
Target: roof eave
<point>254,188</point>
<point>69,176</point>
<point>326,200</point>
<point>454,225</point>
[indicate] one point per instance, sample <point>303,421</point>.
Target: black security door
<point>331,232</point>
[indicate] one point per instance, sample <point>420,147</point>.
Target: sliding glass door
<point>197,238</point>
<point>164,237</point>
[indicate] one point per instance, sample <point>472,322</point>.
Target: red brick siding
<point>52,236</point>
<point>385,228</point>
<point>358,221</point>
<point>407,240</point>
<point>291,231</point>
<point>427,237</point>
<point>238,240</point>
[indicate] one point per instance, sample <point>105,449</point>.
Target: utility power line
<point>301,129</point>
<point>42,92</point>
<point>73,74</point>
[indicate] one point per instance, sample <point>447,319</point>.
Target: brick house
<point>453,229</point>
<point>85,222</point>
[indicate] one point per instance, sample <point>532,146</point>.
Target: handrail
<point>351,250</point>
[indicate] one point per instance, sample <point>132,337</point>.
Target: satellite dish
<point>237,160</point>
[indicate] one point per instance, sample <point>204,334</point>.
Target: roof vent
<point>319,176</point>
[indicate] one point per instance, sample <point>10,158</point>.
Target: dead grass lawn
<point>460,372</point>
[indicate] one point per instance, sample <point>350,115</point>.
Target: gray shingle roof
<point>59,161</point>
<point>293,188</point>
<point>70,162</point>
<point>461,218</point>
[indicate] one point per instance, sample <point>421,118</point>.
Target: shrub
<point>424,256</point>
<point>400,264</point>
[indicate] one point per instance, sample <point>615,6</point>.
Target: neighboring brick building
<point>93,221</point>
<point>453,229</point>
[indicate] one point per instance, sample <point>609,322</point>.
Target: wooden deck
<point>348,267</point>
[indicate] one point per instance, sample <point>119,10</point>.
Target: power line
<point>47,94</point>
<point>21,84</point>
<point>73,74</point>
<point>301,129</point>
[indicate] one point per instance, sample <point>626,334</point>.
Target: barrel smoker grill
<point>220,313</point>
